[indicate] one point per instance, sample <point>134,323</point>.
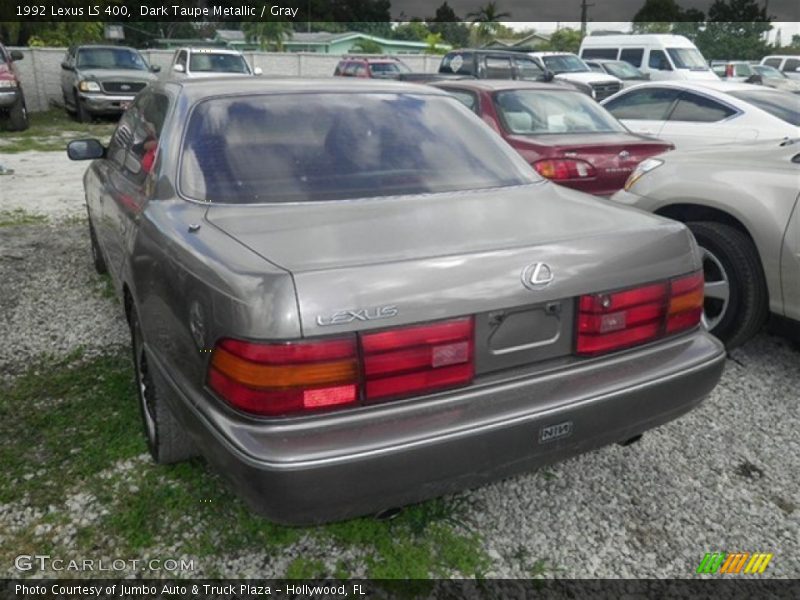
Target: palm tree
<point>486,19</point>
<point>268,33</point>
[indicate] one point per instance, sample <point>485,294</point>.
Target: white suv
<point>789,64</point>
<point>569,67</point>
<point>194,63</point>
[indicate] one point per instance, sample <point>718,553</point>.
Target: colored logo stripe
<point>734,562</point>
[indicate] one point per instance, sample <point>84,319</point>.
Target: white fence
<point>40,70</point>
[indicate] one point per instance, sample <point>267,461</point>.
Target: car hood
<point>117,75</point>
<point>789,85</point>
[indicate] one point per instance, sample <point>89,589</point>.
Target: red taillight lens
<point>564,168</point>
<point>617,320</point>
<point>275,379</point>
<point>418,359</point>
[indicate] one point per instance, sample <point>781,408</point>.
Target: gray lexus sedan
<point>350,296</point>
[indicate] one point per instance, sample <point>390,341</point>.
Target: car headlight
<point>89,86</point>
<point>8,83</point>
<point>642,169</point>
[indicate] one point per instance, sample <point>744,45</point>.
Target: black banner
<point>731,588</point>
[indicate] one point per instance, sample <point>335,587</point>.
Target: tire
<point>736,307</point>
<point>18,116</point>
<point>167,441</point>
<point>81,112</point>
<point>97,256</point>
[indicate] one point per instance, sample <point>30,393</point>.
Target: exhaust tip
<point>388,514</point>
<point>630,441</point>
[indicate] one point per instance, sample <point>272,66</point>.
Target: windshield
<point>687,58</point>
<point>624,70</point>
<point>769,72</point>
<point>565,63</point>
<point>388,69</point>
<point>784,105</point>
<point>336,146</point>
<point>110,58</point>
<point>207,62</point>
<point>533,112</point>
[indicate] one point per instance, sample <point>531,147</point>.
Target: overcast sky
<point>569,10</point>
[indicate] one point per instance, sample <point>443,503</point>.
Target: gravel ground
<point>722,478</point>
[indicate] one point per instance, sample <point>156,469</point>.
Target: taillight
<point>625,318</point>
<point>274,379</point>
<point>418,359</point>
<point>559,169</point>
<point>283,378</point>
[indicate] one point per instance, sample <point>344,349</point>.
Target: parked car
<point>693,113</point>
<point>741,203</point>
<point>625,72</point>
<point>485,63</point>
<point>102,80</point>
<point>786,63</point>
<point>735,70</point>
<point>772,77</point>
<point>662,56</point>
<point>375,67</point>
<point>568,67</point>
<point>564,135</point>
<point>350,296</point>
<point>13,112</point>
<point>209,62</point>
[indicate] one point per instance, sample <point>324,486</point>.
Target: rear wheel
<point>167,440</point>
<point>18,116</point>
<point>735,305</point>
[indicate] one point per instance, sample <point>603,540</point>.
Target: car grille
<point>604,90</point>
<point>122,87</point>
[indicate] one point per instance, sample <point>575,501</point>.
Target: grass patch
<point>73,457</point>
<point>52,129</point>
<point>13,218</point>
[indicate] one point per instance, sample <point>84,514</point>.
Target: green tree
<point>433,40</point>
<point>268,33</point>
<point>413,31</point>
<point>486,21</point>
<point>449,25</point>
<point>565,40</point>
<point>656,16</point>
<point>736,29</point>
<point>367,46</point>
<point>67,33</point>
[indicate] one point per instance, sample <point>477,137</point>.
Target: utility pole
<point>584,8</point>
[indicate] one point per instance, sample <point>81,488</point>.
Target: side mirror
<point>548,76</point>
<point>155,68</point>
<point>258,71</point>
<point>646,76</point>
<point>88,149</point>
<point>66,66</point>
<point>16,55</point>
<point>178,68</point>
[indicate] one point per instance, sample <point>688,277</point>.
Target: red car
<point>565,135</point>
<point>377,67</point>
<point>13,113</point>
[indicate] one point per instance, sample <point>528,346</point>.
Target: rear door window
<point>773,62</point>
<point>632,55</point>
<point>700,109</point>
<point>497,68</point>
<point>610,53</point>
<point>791,65</point>
<point>528,69</point>
<point>651,104</point>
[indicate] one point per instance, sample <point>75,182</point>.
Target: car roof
<point>700,85</point>
<point>197,89</point>
<point>489,51</point>
<point>499,85</point>
<point>551,53</point>
<point>105,47</point>
<point>209,50</point>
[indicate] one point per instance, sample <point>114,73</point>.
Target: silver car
<point>353,295</point>
<point>741,203</point>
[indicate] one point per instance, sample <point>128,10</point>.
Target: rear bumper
<point>343,465</point>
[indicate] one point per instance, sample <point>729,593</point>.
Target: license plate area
<point>523,335</point>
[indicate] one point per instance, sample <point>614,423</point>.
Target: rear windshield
<point>532,112</point>
<point>460,62</point>
<point>623,70</point>
<point>202,62</point>
<point>769,72</point>
<point>687,58</point>
<point>334,146</point>
<point>388,69</point>
<point>784,105</point>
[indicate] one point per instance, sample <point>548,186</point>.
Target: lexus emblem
<point>537,275</point>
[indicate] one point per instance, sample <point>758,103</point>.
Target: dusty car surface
<point>352,295</point>
<point>741,203</point>
<point>564,135</point>
<point>102,80</point>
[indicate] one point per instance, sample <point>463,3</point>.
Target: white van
<point>663,56</point>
